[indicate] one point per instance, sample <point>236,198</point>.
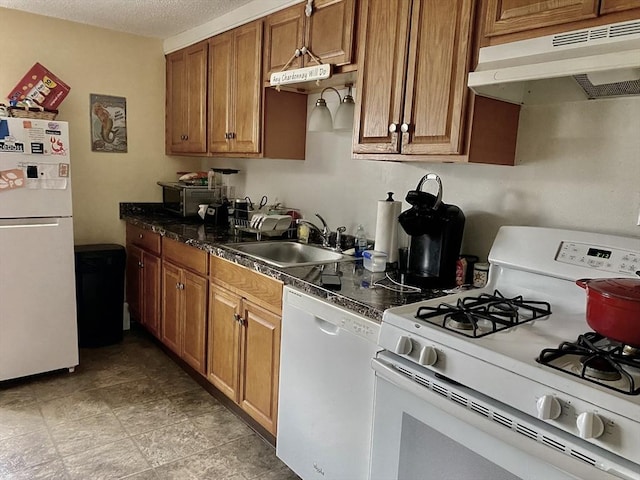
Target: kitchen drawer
<point>184,255</point>
<point>142,238</point>
<point>263,290</point>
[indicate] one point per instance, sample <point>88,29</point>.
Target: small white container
<point>480,274</point>
<point>374,261</point>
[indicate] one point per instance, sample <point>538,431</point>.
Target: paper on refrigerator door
<point>11,179</point>
<point>52,176</point>
<point>32,137</point>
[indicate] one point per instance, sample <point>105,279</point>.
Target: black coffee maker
<point>435,231</point>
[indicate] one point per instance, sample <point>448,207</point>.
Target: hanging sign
<point>298,75</point>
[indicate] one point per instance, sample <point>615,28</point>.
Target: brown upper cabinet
<point>235,100</point>
<point>413,102</point>
<point>186,100</point>
<point>328,33</point>
<point>530,18</point>
<point>227,104</point>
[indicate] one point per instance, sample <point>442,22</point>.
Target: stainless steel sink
<point>288,254</point>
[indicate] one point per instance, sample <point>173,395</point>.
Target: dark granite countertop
<point>361,290</point>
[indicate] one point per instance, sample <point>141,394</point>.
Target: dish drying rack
<point>262,223</point>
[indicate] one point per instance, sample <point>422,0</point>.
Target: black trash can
<point>99,293</point>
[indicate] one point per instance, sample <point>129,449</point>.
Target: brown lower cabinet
<point>143,277</point>
<point>225,325</point>
<point>184,302</point>
<point>244,339</point>
<point>184,314</point>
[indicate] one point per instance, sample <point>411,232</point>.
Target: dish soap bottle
<point>360,241</point>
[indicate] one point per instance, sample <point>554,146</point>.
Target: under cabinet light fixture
<point>321,119</point>
<point>344,115</point>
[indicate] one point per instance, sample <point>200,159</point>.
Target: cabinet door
<point>223,344</point>
<point>220,100</point>
<point>151,294</point>
<point>383,45</point>
<point>133,278</point>
<point>260,363</point>
<point>508,16</point>
<point>611,6</point>
<point>187,100</point>
<point>171,294</point>
<point>329,31</point>
<point>194,321</point>
<point>436,88</point>
<point>176,113</point>
<point>284,32</point>
<point>247,89</point>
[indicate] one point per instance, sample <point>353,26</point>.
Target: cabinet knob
<point>140,236</point>
<point>232,135</point>
<point>404,128</point>
<point>239,319</point>
<point>177,285</point>
<point>140,264</point>
<point>393,128</point>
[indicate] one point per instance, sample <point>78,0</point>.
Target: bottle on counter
<point>360,241</point>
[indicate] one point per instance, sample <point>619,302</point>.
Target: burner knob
<point>428,356</point>
<point>590,425</point>
<point>404,346</point>
<point>548,407</point>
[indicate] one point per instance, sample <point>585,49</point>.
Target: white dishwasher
<point>325,402</point>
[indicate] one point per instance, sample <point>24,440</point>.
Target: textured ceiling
<point>149,18</point>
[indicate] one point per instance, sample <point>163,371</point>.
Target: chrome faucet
<point>325,232</point>
<point>339,232</point>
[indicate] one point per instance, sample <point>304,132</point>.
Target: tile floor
<point>130,412</point>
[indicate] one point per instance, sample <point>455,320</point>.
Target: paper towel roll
<point>387,228</point>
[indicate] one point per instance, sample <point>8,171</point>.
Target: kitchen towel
<point>387,228</point>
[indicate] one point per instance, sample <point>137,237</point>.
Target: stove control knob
<point>404,346</point>
<point>548,407</point>
<point>428,356</point>
<point>590,425</point>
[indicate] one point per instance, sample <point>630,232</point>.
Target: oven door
<point>430,428</point>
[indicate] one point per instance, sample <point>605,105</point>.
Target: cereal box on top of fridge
<point>40,86</point>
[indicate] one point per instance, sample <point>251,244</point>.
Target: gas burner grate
<point>484,314</point>
<point>603,361</point>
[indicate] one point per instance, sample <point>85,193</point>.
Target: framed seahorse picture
<point>108,123</point>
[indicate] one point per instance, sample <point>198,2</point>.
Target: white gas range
<point>485,383</point>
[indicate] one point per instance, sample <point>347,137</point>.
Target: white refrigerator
<point>38,326</point>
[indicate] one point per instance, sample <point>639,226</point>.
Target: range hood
<point>604,61</point>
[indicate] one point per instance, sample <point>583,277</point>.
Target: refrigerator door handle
<point>28,222</point>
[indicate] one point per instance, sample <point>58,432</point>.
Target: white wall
<point>578,167</point>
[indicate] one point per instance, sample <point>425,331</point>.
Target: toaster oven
<point>184,199</point>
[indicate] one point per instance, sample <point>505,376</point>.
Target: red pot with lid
<point>613,308</point>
